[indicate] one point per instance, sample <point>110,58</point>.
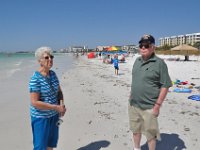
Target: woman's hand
<point>63,113</point>
<point>61,109</point>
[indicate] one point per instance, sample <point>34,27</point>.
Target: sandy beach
<point>97,101</point>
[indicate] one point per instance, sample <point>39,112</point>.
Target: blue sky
<point>29,24</point>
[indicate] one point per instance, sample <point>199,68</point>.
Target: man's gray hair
<point>41,51</point>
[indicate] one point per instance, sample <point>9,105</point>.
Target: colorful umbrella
<point>113,48</point>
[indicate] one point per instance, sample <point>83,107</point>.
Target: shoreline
<point>15,122</point>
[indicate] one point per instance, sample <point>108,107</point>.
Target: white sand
<point>15,128</point>
<point>97,102</point>
<point>97,116</point>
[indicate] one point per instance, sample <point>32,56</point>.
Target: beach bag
<point>59,97</point>
<point>59,93</point>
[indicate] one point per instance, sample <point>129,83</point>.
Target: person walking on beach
<point>116,64</point>
<point>45,105</point>
<point>150,83</point>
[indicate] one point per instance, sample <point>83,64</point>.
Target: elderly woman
<point>45,107</point>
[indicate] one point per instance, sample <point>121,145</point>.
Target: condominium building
<point>180,39</point>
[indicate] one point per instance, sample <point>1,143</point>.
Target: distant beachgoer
<point>45,107</point>
<point>150,83</point>
<point>116,64</point>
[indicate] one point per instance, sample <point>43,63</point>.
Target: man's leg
<point>49,148</point>
<point>151,129</point>
<point>152,144</point>
<point>136,122</point>
<point>137,139</point>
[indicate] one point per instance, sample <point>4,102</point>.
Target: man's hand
<point>156,109</point>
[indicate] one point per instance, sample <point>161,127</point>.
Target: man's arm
<point>161,98</point>
<point>162,95</point>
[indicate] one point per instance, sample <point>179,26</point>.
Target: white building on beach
<point>180,39</point>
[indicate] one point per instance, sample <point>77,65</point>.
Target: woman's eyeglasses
<point>47,57</point>
<point>144,45</point>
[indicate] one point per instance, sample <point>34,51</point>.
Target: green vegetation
<point>197,45</point>
<point>165,50</point>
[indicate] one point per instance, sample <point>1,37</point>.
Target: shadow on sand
<point>121,74</point>
<point>168,142</point>
<point>95,145</point>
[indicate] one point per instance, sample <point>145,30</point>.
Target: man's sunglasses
<point>47,57</point>
<point>144,45</point>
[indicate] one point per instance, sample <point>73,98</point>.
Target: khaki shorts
<point>143,121</point>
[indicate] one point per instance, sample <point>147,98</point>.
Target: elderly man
<point>150,83</point>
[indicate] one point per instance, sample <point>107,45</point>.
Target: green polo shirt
<point>148,77</point>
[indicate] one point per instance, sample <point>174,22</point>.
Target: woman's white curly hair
<point>41,51</point>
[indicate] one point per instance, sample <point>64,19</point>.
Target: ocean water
<point>15,73</point>
<point>13,63</point>
<point>17,69</point>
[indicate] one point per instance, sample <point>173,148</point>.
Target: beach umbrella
<point>185,50</point>
<point>114,52</point>
<point>113,48</point>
